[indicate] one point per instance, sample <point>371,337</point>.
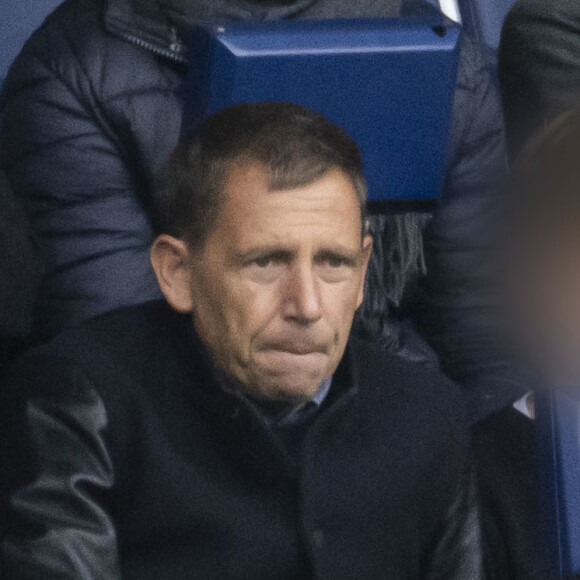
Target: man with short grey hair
<point>236,430</point>
<point>86,179</point>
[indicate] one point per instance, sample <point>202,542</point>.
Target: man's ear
<point>170,258</point>
<point>367,249</point>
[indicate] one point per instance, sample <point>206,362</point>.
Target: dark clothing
<point>88,119</point>
<point>539,65</point>
<point>131,462</point>
<point>505,448</point>
<point>20,271</point>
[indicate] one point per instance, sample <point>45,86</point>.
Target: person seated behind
<point>88,119</point>
<point>544,286</point>
<point>235,430</point>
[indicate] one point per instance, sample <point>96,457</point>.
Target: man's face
<point>277,282</point>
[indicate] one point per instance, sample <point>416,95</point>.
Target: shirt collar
<point>286,418</point>
<point>322,392</point>
<point>294,416</point>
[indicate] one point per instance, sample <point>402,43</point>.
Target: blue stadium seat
<point>407,65</point>
<point>19,20</point>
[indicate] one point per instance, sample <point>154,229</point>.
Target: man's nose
<point>302,295</point>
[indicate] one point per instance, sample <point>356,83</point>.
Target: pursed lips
<point>298,348</point>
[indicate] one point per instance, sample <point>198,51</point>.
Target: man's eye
<point>263,262</point>
<point>265,269</point>
<point>335,261</point>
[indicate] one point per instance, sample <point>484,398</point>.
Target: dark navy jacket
<point>127,460</point>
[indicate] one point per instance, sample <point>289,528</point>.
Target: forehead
<point>327,207</point>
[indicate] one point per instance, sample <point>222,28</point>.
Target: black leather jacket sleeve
<point>55,472</point>
<point>457,552</point>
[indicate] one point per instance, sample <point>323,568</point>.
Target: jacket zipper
<point>171,53</point>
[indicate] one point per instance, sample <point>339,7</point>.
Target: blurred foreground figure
<point>544,289</point>
<point>90,113</point>
<point>235,430</point>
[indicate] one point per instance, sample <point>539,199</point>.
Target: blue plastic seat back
<point>388,83</point>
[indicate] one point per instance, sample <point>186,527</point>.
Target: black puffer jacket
<point>90,113</point>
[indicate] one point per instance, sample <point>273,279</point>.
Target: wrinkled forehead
<point>328,205</point>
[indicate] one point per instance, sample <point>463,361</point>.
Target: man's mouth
<point>298,349</point>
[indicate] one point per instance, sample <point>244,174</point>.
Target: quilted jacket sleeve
<point>457,551</point>
<point>77,174</point>
<point>461,317</point>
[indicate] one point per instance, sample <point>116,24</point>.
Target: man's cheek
<point>243,322</point>
<point>348,306</point>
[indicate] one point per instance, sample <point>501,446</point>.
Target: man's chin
<point>290,390</point>
<point>292,395</point>
<point>283,379</point>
